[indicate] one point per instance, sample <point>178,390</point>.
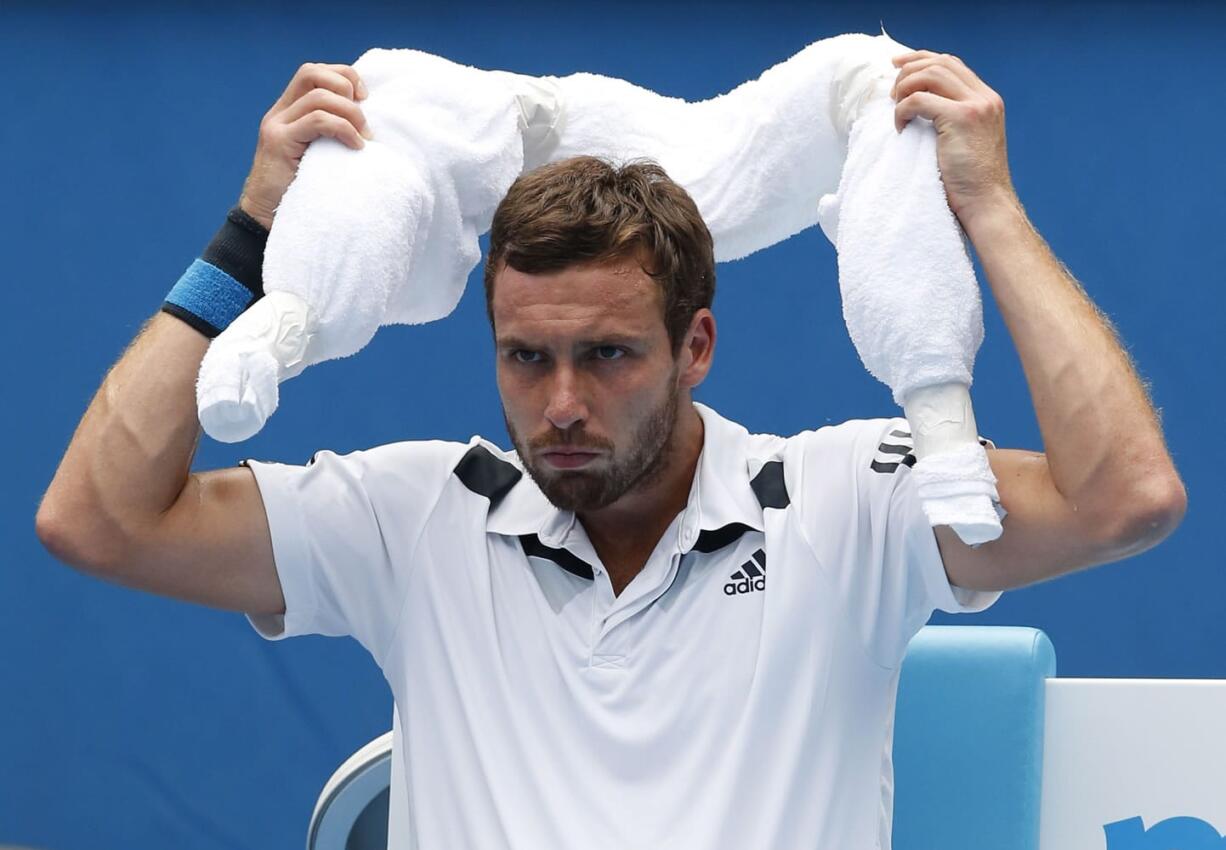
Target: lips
<point>569,458</point>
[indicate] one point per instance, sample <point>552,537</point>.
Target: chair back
<point>968,738</point>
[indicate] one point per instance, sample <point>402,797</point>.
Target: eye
<point>609,352</point>
<point>523,355</point>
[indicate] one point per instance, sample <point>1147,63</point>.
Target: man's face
<point>589,386</point>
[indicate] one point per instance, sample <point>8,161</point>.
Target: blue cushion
<point>968,738</point>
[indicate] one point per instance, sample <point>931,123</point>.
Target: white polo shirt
<point>709,706</point>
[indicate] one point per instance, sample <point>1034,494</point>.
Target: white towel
<point>384,235</point>
<point>388,234</point>
<point>910,298</point>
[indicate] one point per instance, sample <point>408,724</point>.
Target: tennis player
<point>643,626</point>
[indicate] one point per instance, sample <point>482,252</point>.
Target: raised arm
<point>123,504</point>
<point>1105,486</point>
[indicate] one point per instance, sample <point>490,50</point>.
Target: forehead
<point>579,300</point>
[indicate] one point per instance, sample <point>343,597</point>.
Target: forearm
<point>131,454</point>
<point>1101,434</point>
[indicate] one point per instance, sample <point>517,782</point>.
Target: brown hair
<point>583,209</point>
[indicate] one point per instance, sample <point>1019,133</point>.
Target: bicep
<point>212,547</point>
<point>1044,534</point>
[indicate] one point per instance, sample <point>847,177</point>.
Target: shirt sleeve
<point>344,528</point>
<point>869,531</point>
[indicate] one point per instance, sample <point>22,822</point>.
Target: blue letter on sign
<point>1170,834</point>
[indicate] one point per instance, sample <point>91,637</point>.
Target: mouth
<point>569,458</point>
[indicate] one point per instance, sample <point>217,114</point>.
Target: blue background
<point>136,721</point>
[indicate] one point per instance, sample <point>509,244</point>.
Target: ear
<point>698,349</point>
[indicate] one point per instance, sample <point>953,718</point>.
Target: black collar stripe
<point>564,558</point>
<point>490,476</point>
<point>712,540</point>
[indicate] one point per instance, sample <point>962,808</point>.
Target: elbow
<point>71,542</point>
<point>1149,515</point>
<point>50,528</point>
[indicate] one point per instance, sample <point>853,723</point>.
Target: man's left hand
<point>969,118</point>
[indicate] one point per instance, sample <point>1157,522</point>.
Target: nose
<point>565,407</point>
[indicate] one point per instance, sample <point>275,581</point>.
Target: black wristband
<point>238,250</point>
<point>226,279</point>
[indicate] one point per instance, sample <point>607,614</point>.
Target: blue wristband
<point>207,298</point>
<point>225,280</point>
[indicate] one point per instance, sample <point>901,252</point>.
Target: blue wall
<point>134,721</point>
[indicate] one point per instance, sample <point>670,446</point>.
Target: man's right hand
<point>320,100</point>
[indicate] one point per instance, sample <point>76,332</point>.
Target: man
<point>591,654</point>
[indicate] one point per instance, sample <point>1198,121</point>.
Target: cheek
<point>523,399</point>
<point>509,391</point>
<point>633,394</point>
<point>511,388</point>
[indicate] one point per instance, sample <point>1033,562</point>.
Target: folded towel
<point>384,235</point>
<point>755,160</point>
<point>954,480</point>
<point>910,298</point>
<point>388,234</point>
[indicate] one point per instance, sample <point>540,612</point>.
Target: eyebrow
<point>608,339</point>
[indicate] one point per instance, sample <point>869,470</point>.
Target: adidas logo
<point>750,577</point>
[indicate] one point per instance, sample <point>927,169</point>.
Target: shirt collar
<point>720,495</point>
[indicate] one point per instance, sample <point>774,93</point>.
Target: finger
<point>903,58</point>
<point>359,87</point>
<point>311,126</point>
<point>947,60</point>
<point>913,65</point>
<point>316,75</point>
<point>922,104</point>
<point>937,78</point>
<point>328,101</point>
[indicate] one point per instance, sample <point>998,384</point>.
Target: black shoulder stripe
<point>907,453</point>
<point>769,486</point>
<point>891,449</point>
<point>878,466</point>
<point>487,475</point>
<point>895,451</point>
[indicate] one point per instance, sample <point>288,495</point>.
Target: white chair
<point>351,812</point>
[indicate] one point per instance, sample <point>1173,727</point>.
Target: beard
<point>640,465</point>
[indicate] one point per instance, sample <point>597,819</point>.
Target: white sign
<point>1134,764</point>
